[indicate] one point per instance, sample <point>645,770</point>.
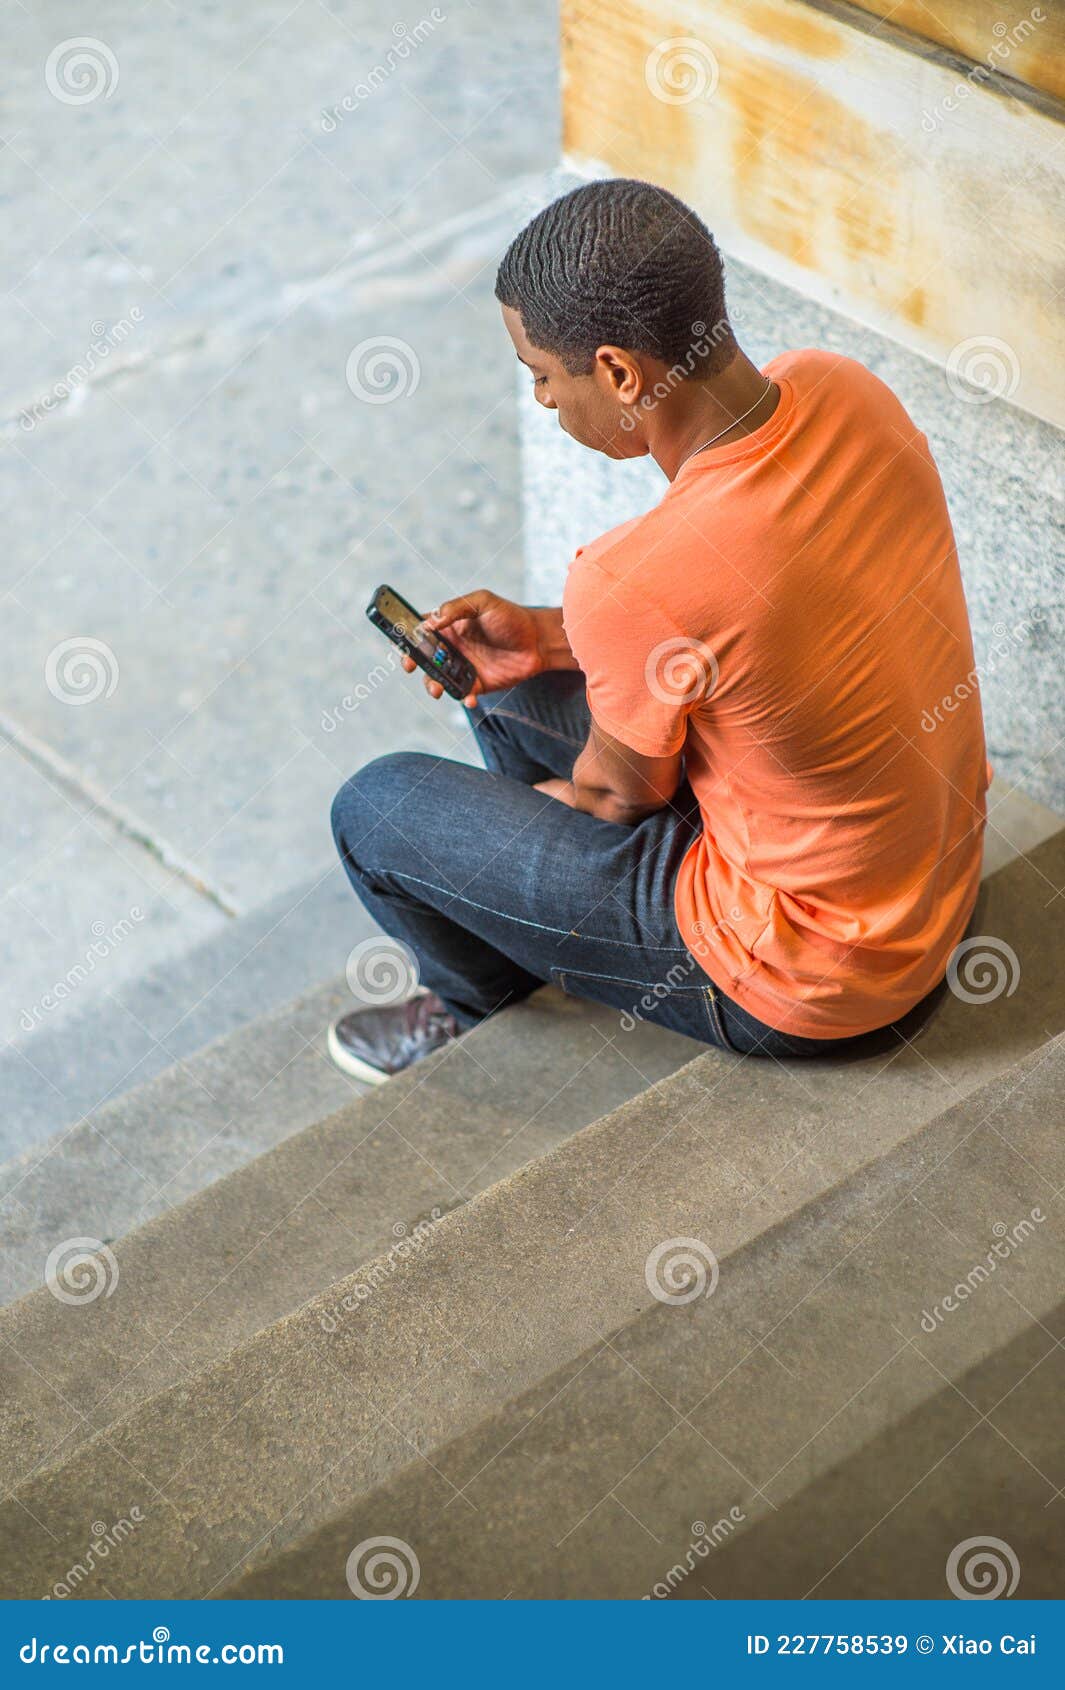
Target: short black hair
<point>620,263</point>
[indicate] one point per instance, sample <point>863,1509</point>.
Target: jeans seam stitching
<point>541,927</point>
<point>538,727</point>
<point>620,979</point>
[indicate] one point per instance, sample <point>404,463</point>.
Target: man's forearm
<point>597,795</point>
<point>551,638</point>
<point>609,806</point>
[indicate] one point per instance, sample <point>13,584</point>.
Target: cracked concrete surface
<point>201,494</point>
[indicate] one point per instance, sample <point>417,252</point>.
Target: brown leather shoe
<point>373,1044</point>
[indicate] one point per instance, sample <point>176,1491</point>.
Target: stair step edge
<point>917,1084</point>
<point>502,1230</point>
<point>509,1507</point>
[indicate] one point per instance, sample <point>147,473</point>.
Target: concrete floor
<point>201,479</point>
<point>261,214</point>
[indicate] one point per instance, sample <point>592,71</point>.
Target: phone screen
<point>432,652</point>
<point>406,622</point>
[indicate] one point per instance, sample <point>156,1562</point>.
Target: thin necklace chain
<point>729,426</point>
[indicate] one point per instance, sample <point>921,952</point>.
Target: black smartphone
<point>431,652</point>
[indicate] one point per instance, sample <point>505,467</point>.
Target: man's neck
<point>722,410</point>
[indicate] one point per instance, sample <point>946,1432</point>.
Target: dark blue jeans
<point>497,889</point>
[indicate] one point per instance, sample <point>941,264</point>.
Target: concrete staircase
<point>431,1313</point>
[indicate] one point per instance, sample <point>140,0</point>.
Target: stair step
<point>277,1437</point>
<point>234,1099</point>
<point>1016,823</point>
<point>756,1443</point>
<point>252,967</point>
<point>157,1145</point>
<point>886,1522</point>
<point>207,1273</point>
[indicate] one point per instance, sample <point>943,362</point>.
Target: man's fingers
<point>433,688</point>
<point>454,610</point>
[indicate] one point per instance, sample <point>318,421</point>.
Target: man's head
<point>612,296</point>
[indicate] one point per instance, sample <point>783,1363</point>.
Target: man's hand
<point>505,642</point>
<point>500,639</point>
<point>563,790</point>
<point>614,783</point>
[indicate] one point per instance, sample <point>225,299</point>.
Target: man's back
<point>836,743</point>
<point>736,783</point>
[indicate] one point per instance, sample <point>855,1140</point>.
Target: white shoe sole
<point>354,1065</point>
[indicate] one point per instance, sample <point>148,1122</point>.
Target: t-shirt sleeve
<point>643,676</point>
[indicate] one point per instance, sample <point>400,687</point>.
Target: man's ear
<point>621,371</point>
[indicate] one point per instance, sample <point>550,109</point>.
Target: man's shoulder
<point>597,553</point>
<point>622,562</point>
<point>817,374</point>
<point>817,359</point>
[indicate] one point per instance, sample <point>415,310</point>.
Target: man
<point>708,800</point>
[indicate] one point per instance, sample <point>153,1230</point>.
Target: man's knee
<point>372,794</point>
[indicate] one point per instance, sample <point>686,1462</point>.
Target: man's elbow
<point>625,811</point>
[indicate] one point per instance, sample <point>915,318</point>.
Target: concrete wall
<point>920,192</point>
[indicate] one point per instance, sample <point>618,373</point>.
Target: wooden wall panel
<point>1025,42</point>
<point>841,164</point>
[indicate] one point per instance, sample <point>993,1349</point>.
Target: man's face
<point>590,407</point>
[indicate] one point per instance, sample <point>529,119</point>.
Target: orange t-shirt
<point>838,761</point>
